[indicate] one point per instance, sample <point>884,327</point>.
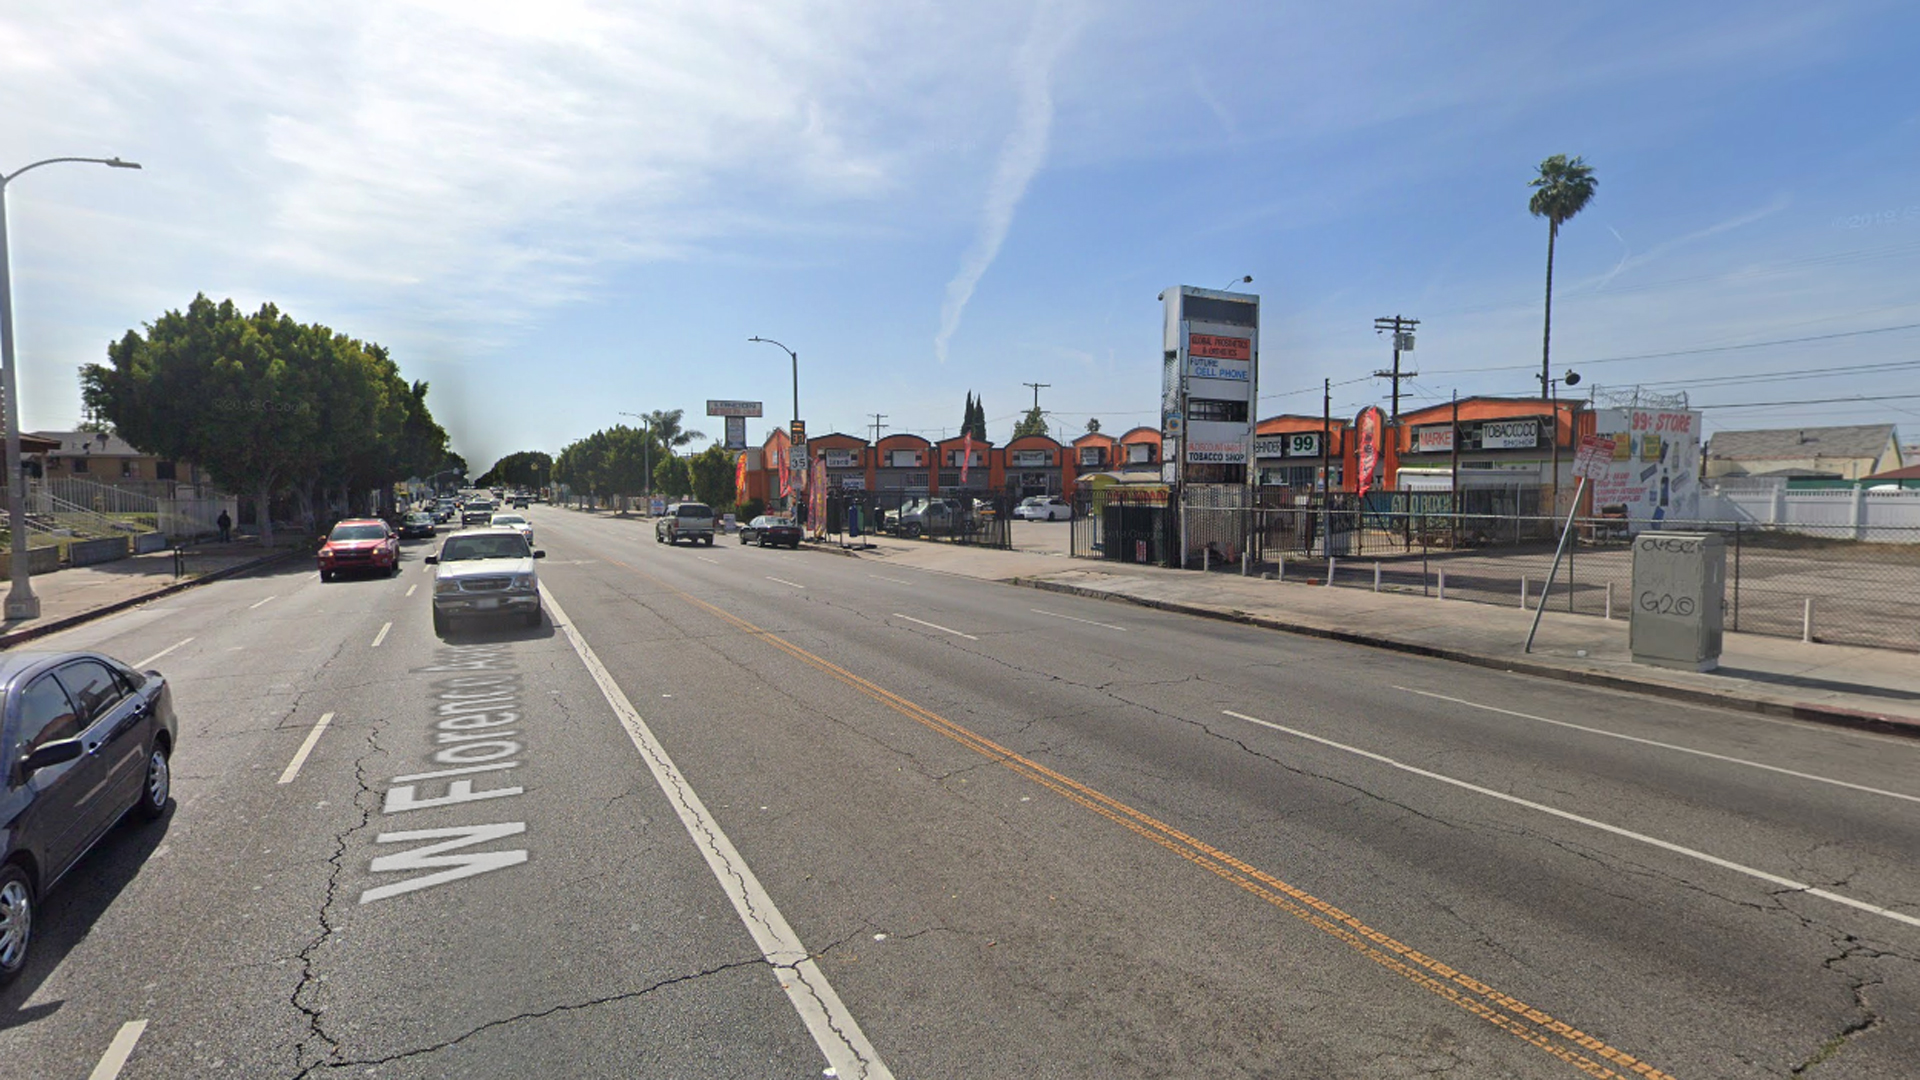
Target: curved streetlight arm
<point>795,357</point>
<point>112,163</point>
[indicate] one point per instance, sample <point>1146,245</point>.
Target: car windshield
<point>357,532</point>
<point>503,545</point>
<point>509,519</point>
<point>417,518</point>
<point>775,522</point>
<point>694,510</point>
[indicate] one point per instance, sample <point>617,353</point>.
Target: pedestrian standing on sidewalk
<point>226,526</point>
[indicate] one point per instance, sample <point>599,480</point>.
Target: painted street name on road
<point>477,712</point>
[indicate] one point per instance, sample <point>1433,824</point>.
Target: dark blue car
<point>85,741</point>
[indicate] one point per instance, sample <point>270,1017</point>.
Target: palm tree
<point>1563,189</point>
<point>664,424</point>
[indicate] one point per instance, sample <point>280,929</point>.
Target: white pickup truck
<point>689,521</point>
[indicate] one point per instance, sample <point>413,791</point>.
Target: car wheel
<point>795,545</point>
<point>743,539</point>
<point>326,575</point>
<point>913,531</point>
<point>16,921</point>
<point>158,788</point>
<point>709,539</point>
<point>440,624</point>
<point>532,619</point>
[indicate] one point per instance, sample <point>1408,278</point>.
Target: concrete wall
<point>39,561</point>
<point>89,552</point>
<point>146,542</point>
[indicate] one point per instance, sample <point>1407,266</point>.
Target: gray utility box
<point>1679,586</point>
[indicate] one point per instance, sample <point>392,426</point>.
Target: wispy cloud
<point>1054,24</point>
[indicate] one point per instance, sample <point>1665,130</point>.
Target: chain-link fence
<point>1820,584</point>
<point>980,518</point>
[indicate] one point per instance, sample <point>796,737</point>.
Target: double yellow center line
<point>1590,1055</point>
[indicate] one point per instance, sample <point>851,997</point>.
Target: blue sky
<point>559,211</point>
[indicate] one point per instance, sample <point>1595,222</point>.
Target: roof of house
<point>1910,472</point>
<point>1786,444</point>
<point>95,443</point>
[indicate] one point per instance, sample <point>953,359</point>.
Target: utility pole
<point>877,426</point>
<point>1037,387</point>
<point>1402,341</point>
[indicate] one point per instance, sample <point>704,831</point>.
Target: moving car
<point>515,522</point>
<point>477,512</point>
<point>358,545</point>
<point>1044,508</point>
<point>690,521</point>
<point>87,740</point>
<point>482,573</point>
<point>770,529</point>
<point>417,526</point>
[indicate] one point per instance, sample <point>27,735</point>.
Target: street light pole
<point>21,603</point>
<point>646,458</point>
<point>795,357</point>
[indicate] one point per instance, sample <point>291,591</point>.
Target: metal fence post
<point>1736,576</point>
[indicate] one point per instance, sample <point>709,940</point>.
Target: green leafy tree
<point>1034,423</point>
<point>1093,425</point>
<point>711,474</point>
<point>671,477</point>
<point>666,429</point>
<point>976,421</point>
<point>966,415</point>
<point>520,469</point>
<point>1563,188</point>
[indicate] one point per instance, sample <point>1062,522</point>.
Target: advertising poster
<point>817,499</point>
<point>1368,425</point>
<point>1654,470</point>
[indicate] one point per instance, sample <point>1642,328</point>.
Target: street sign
<point>797,431</point>
<point>733,408</point>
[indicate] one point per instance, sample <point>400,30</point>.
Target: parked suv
<point>690,521</point>
<point>929,516</point>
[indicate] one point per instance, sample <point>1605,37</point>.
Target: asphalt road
<point>750,813</point>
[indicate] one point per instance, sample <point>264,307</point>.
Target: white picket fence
<point>1884,517</point>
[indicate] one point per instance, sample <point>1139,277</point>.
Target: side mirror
<point>431,559</point>
<point>53,753</point>
<point>538,554</point>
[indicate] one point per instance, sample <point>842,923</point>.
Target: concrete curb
<point>1797,710</point>
<point>17,637</point>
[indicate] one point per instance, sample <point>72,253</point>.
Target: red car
<point>360,544</point>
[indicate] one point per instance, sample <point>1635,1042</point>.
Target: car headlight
<point>525,581</point>
<point>446,586</point>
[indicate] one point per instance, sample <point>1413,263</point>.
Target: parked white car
<point>1044,508</point>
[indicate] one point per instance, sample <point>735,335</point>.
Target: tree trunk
<point>263,510</point>
<point>1546,333</point>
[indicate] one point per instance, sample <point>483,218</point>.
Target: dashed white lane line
<point>1665,746</point>
<point>895,580</point>
<point>300,757</point>
<point>381,636</point>
<point>118,1051</point>
<point>703,558</point>
<point>1565,815</point>
<point>1076,618</point>
<point>935,626</point>
<point>849,1054</point>
<point>784,581</point>
<point>263,603</point>
<point>142,664</point>
<point>410,589</point>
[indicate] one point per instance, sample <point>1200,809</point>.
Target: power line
<point>877,426</point>
<point>1402,339</point>
<point>1807,401</point>
<point>1695,352</point>
<point>1037,387</point>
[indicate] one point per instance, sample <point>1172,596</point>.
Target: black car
<point>770,529</point>
<point>87,740</point>
<point>417,526</point>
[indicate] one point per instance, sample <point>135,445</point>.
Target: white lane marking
<point>141,666</point>
<point>1665,746</point>
<point>784,581</point>
<point>833,1027</point>
<point>935,626</point>
<point>118,1051</point>
<point>703,558</point>
<point>895,580</point>
<point>1664,845</point>
<point>381,636</point>
<point>410,589</point>
<point>300,757</point>
<point>1076,618</point>
<point>262,603</point>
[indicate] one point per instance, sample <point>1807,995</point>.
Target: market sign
<point>1433,440</point>
<point>1297,444</point>
<point>1509,434</point>
<point>732,408</point>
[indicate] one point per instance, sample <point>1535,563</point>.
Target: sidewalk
<point>1857,687</point>
<point>73,596</point>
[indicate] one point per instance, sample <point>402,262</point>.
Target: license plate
<point>489,602</point>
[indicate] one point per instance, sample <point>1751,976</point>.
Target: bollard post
<point>1609,601</point>
<point>1443,583</point>
<point>1329,571</point>
<point>1806,623</point>
<point>1206,557</point>
<point>1280,568</point>
<point>1376,576</point>
<point>1523,593</point>
<point>1246,564</point>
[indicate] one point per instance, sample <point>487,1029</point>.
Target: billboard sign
<point>1211,342</point>
<point>1653,470</point>
<point>1029,459</point>
<point>1510,435</point>
<point>1433,440</point>
<point>732,408</point>
<point>736,432</point>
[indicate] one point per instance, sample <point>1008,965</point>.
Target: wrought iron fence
<point>1821,584</point>
<point>978,518</point>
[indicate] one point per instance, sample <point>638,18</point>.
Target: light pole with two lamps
<point>21,603</point>
<point>793,500</point>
